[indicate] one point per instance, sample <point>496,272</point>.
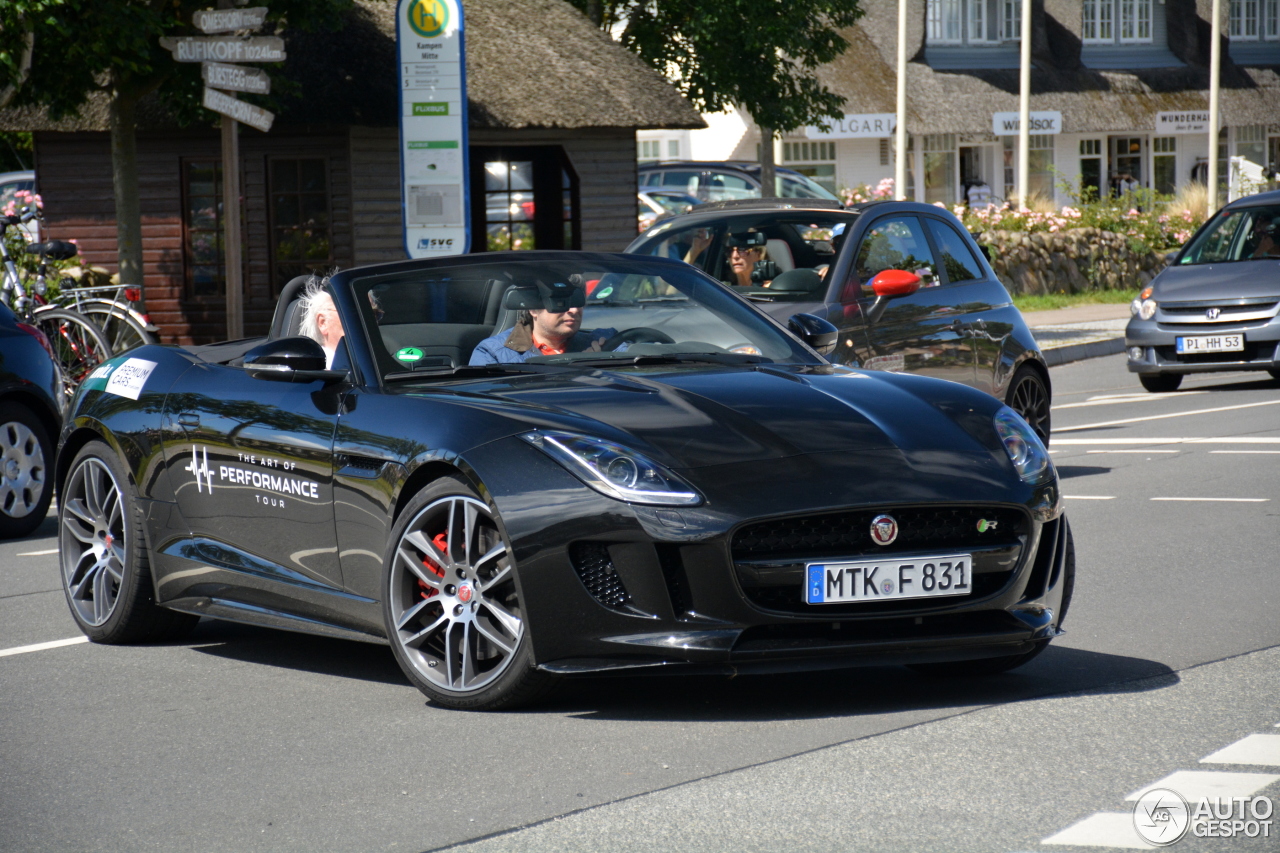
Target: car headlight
<point>1144,306</point>
<point>1026,451</point>
<point>614,470</point>
<point>1148,309</point>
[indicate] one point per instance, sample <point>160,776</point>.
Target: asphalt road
<point>248,739</point>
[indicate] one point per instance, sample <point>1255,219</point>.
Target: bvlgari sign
<point>855,126</point>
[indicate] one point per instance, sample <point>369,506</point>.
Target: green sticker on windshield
<point>409,354</point>
<point>604,293</point>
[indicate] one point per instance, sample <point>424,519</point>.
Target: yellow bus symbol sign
<point>428,18</point>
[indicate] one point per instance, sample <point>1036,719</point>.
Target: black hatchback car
<point>907,286</point>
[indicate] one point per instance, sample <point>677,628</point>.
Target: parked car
<point>1217,305</point>
<point>703,493</point>
<point>711,181</point>
<point>658,204</point>
<point>30,418</point>
<point>949,317</point>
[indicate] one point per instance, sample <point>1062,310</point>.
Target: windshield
<point>776,256</point>
<point>516,313</point>
<point>1242,234</point>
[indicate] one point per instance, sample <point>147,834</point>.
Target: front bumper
<point>1157,341</point>
<point>613,587</point>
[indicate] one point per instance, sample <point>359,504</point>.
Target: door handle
<point>189,420</point>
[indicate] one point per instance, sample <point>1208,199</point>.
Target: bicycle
<point>76,342</point>
<point>109,307</point>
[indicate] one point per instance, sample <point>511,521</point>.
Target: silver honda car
<point>1215,307</point>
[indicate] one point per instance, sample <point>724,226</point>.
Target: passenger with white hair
<point>320,320</point>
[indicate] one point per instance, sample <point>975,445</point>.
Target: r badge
<point>884,529</point>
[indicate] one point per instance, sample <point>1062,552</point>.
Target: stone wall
<point>1069,261</point>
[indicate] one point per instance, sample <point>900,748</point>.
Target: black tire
<point>122,332</point>
<point>1029,397</point>
<point>1275,374</point>
<point>78,345</point>
<point>107,584</point>
<point>26,470</point>
<point>995,666</point>
<point>1160,383</point>
<point>464,644</point>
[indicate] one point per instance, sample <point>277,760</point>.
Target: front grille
<point>848,533</point>
<point>595,569</point>
<point>770,556</point>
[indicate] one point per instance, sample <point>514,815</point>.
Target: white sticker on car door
<point>129,378</point>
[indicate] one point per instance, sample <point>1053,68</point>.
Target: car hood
<point>1200,282</point>
<point>693,418</point>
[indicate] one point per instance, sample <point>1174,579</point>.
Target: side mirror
<point>985,250</point>
<point>297,359</point>
<point>1172,256</point>
<point>814,331</point>
<point>890,284</point>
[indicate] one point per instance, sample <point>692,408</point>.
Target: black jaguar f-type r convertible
<point>520,466</point>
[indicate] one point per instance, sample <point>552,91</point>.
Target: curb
<point>1079,352</point>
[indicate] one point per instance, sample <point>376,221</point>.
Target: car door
<point>922,333</point>
<point>252,466</point>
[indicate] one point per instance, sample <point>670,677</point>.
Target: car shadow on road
<point>303,652</point>
<point>849,692</point>
<point>1066,472</point>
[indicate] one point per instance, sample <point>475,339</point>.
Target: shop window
<point>673,149</point>
<point>1091,167</point>
<point>940,168</point>
<point>1254,20</point>
<point>1251,144</point>
<point>524,198</point>
<point>203,259</point>
<point>301,236</point>
<point>1164,164</point>
<point>1116,21</point>
<point>648,149</point>
<point>1127,154</point>
<point>1040,171</point>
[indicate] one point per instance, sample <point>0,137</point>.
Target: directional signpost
<point>219,78</point>
<point>433,128</point>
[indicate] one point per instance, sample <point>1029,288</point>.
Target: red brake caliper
<point>441,541</point>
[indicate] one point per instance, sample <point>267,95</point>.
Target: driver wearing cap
<point>552,329</point>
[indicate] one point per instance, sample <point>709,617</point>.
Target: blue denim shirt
<point>494,350</point>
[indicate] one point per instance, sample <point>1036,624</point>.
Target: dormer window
<point>1117,21</point>
<point>1254,20</point>
<point>973,21</point>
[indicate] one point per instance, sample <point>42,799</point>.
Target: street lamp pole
<point>900,165</point>
<point>1024,105</point>
<point>1215,67</point>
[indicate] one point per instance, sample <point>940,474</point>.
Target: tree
<point>111,49</point>
<point>761,54</point>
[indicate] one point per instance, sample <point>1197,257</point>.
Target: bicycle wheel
<point>122,330</point>
<point>78,345</point>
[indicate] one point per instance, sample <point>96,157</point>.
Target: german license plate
<point>1211,343</point>
<point>887,580</point>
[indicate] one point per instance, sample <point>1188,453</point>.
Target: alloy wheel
<point>92,541</point>
<point>22,470</point>
<point>453,597</point>
<point>1029,398</point>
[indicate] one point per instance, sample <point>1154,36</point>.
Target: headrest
<point>556,297</point>
<point>797,281</point>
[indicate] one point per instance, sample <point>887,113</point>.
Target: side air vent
<point>595,569</point>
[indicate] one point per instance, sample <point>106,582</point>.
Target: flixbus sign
<point>431,109</point>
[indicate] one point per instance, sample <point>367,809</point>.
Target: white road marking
<point>1103,829</point>
<point>1194,785</point>
<point>1220,500</point>
<point>1113,399</point>
<point>1244,439</point>
<point>38,553</point>
<point>1254,749</point>
<point>1090,497</point>
<point>1133,451</point>
<point>40,647</point>
<point>1170,415</point>
<point>1241,451</point>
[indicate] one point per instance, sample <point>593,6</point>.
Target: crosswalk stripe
<point>1195,785</point>
<point>1102,829</point>
<point>1254,749</point>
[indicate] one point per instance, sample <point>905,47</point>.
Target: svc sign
<point>1046,122</point>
